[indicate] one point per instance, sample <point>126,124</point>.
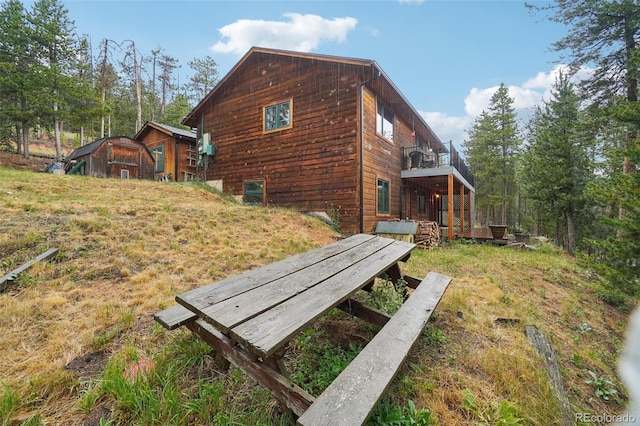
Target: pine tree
<point>556,165</point>
<point>55,49</point>
<point>491,151</point>
<point>17,84</point>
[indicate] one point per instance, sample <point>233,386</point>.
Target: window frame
<point>278,126</point>
<point>379,187</point>
<point>381,117</point>
<point>421,201</point>
<point>158,149</point>
<point>124,174</point>
<point>244,192</point>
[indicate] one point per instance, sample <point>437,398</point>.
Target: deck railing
<point>419,157</point>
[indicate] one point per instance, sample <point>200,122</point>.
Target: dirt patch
<point>88,366</point>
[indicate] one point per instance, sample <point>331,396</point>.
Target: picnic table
<point>250,319</point>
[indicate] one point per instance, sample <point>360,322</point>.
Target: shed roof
<point>169,130</point>
<point>92,146</point>
<point>86,149</point>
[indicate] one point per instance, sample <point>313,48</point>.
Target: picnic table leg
<point>287,393</point>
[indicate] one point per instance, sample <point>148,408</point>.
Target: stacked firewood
<point>428,235</point>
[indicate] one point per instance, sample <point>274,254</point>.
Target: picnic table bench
<point>251,318</point>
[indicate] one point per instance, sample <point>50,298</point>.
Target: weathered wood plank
<point>269,331</point>
<point>202,297</point>
<point>540,341</point>
<point>364,312</point>
<point>234,310</point>
<point>292,396</point>
<point>13,275</point>
<point>174,317</point>
<point>352,396</point>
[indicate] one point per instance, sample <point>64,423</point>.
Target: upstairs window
<point>384,121</point>
<point>278,116</point>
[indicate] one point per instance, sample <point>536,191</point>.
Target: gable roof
<point>165,128</point>
<point>191,118</point>
<point>378,77</point>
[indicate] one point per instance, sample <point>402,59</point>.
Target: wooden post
<point>461,209</point>
<point>450,207</point>
<point>469,213</point>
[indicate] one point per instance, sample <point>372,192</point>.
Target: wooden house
<point>174,150</point>
<point>317,133</point>
<point>112,157</point>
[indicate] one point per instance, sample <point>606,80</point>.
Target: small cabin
<point>112,157</point>
<point>174,150</point>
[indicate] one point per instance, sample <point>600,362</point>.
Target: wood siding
<point>382,159</point>
<point>312,166</point>
<point>176,153</point>
<point>116,154</point>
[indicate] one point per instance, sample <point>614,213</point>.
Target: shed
<point>112,157</point>
<point>174,150</point>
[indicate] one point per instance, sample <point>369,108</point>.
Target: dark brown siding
<point>116,154</point>
<point>313,165</point>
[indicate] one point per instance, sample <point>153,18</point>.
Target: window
<point>278,116</point>
<point>124,174</point>
<point>254,192</point>
<point>384,121</point>
<point>158,154</point>
<point>421,204</point>
<point>383,196</point>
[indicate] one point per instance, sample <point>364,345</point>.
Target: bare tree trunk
<point>25,141</point>
<point>18,143</point>
<point>103,83</point>
<point>138,87</point>
<point>56,131</point>
<point>571,233</point>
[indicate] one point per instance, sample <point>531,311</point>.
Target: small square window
<point>254,192</point>
<point>124,174</point>
<point>278,116</point>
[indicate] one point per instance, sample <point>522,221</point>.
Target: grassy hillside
<point>71,327</point>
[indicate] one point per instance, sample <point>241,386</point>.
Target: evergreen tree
<point>17,83</point>
<point>556,165</point>
<point>55,51</point>
<point>204,79</point>
<point>491,151</point>
<point>176,111</point>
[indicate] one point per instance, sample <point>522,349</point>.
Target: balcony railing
<point>419,157</point>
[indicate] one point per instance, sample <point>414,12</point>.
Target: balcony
<point>420,161</point>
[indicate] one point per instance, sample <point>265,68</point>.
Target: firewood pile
<point>428,235</point>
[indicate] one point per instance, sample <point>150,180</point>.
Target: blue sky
<point>447,57</point>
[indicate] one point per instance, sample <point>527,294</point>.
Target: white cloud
<point>447,127</point>
<point>411,1</point>
<point>301,33</point>
<point>526,97</point>
<point>478,99</point>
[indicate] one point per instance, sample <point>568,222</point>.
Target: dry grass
<point>128,247</point>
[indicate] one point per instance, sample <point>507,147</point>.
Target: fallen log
<point>541,343</point>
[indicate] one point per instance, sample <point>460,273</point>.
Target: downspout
<point>373,70</point>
